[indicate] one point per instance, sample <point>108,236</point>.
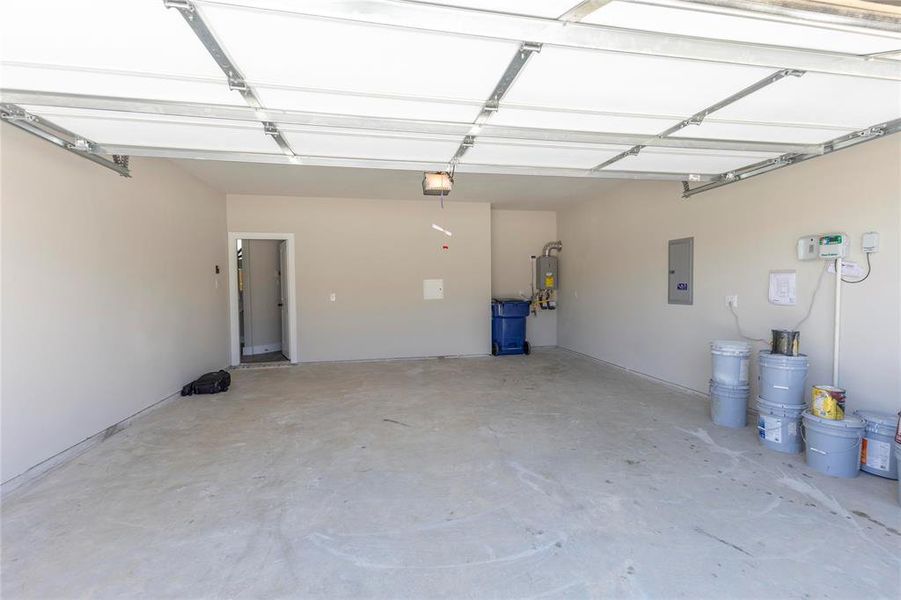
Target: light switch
<point>433,289</point>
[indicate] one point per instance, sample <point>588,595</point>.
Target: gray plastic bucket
<point>897,455</point>
<point>730,361</point>
<point>779,426</point>
<point>833,447</point>
<point>729,404</point>
<point>876,455</point>
<point>781,378</point>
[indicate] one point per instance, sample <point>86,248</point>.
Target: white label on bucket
<point>876,454</point>
<point>792,427</point>
<point>770,428</point>
<point>743,370</point>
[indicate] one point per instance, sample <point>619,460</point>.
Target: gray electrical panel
<point>681,271</point>
<point>546,273</point>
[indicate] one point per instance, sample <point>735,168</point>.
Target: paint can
<point>779,426</point>
<point>785,342</point>
<point>731,361</point>
<point>729,404</point>
<point>876,454</point>
<point>828,402</point>
<point>833,446</point>
<point>781,378</point>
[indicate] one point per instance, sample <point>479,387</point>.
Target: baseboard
<point>752,411</point>
<point>59,459</point>
<point>670,384</point>
<point>261,349</point>
<point>390,359</point>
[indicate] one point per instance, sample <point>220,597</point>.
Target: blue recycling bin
<point>508,326</point>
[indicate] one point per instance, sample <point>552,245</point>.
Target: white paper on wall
<point>849,269</point>
<point>783,288</point>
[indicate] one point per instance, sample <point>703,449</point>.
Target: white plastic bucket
<point>781,378</point>
<point>729,404</point>
<point>876,454</point>
<point>731,361</point>
<point>897,454</point>
<point>833,447</point>
<point>779,426</point>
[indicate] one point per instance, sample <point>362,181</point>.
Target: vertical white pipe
<point>838,320</point>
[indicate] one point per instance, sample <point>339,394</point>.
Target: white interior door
<point>283,297</point>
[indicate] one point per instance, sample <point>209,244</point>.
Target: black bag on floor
<point>209,383</point>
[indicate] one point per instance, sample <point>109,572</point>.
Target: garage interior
<point>479,271</point>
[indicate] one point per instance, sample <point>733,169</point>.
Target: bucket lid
<point>849,422</point>
<point>730,346</point>
<point>768,355</point>
<point>771,404</point>
<point>875,416</point>
<point>741,387</point>
<point>829,388</point>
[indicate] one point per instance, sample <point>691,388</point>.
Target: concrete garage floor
<point>542,476</point>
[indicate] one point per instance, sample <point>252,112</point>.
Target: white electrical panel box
<point>681,271</point>
<point>834,245</point>
<point>809,247</point>
<point>870,242</point>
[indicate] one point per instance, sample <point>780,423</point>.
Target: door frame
<point>287,280</point>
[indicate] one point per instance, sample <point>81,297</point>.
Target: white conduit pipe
<point>838,320</point>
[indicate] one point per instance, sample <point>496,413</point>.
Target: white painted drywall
<point>614,276</point>
<point>263,318</point>
<point>110,301</point>
<point>516,235</point>
<point>374,256</point>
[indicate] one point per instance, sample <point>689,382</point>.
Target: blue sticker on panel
<point>681,286</point>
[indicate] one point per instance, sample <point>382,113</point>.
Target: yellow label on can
<point>827,404</point>
<point>549,281</point>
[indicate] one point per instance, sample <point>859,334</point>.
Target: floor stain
<point>864,515</point>
<point>722,541</point>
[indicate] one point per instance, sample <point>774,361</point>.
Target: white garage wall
<point>515,236</point>
<point>110,301</point>
<point>374,255</point>
<point>614,276</point>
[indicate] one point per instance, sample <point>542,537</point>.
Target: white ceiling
<point>502,191</point>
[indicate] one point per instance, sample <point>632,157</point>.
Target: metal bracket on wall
<point>235,78</point>
<point>59,136</point>
<point>840,143</point>
<point>526,50</point>
<point>698,117</point>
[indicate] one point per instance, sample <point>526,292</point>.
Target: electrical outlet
<point>732,301</point>
<point>332,297</point>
